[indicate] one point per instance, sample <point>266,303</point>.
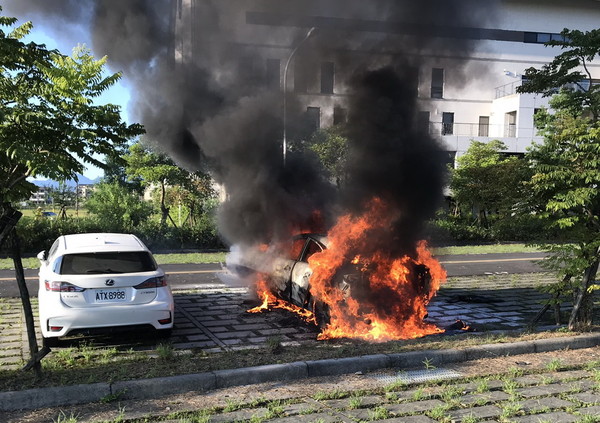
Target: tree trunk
<point>27,311</point>
<point>583,305</point>
<point>163,207</point>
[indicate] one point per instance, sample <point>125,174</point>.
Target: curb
<point>202,382</point>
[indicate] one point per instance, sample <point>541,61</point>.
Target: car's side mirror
<point>42,255</point>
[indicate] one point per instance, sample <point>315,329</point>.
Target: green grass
<point>485,249</point>
<point>192,258</point>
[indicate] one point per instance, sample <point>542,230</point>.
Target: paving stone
<point>540,391</point>
<point>219,322</point>
<point>232,341</point>
<point>189,345</point>
<point>278,331</point>
<point>484,412</point>
<point>587,397</point>
<point>234,334</point>
<point>590,411</point>
<point>549,403</point>
<point>414,407</point>
<point>302,408</point>
<point>484,398</point>
<point>194,338</point>
<point>238,415</point>
<point>555,417</point>
<point>252,326</point>
<point>408,419</point>
<point>571,374</point>
<point>311,418</point>
<point>344,404</point>
<point>184,332</point>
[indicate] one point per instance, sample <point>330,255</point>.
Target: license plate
<point>110,295</point>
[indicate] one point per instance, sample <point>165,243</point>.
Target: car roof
<point>99,242</point>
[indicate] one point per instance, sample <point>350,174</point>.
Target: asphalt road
<point>190,276</point>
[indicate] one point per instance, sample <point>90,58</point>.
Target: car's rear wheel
<point>163,333</point>
<point>51,342</point>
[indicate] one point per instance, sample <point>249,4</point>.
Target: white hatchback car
<point>93,282</point>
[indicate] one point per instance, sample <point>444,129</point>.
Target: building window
<point>447,123</point>
<point>327,77</point>
<point>274,73</point>
<point>484,126</point>
<point>423,122</point>
<point>339,115</point>
<point>300,78</point>
<point>510,120</point>
<point>542,37</point>
<point>437,83</point>
<point>313,118</point>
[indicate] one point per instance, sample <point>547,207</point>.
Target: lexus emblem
<point>109,282</point>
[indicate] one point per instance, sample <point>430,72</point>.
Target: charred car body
<point>289,276</point>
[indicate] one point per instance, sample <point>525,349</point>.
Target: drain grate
<point>417,376</point>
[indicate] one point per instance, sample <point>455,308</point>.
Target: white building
<point>462,97</point>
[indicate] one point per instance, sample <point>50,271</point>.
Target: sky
<point>118,94</point>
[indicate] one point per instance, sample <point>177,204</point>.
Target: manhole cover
<point>417,376</point>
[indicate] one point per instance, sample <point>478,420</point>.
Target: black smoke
<point>203,97</point>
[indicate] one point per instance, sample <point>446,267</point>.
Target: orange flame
<point>389,303</point>
<point>270,302</point>
<point>393,304</point>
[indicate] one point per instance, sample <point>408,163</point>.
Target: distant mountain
<point>71,183</point>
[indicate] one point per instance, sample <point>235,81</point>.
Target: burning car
<point>353,292</point>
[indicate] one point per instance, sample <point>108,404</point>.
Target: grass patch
<point>100,364</point>
<point>486,249</point>
<point>219,257</point>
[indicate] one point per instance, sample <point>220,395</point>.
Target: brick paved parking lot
<point>214,318</point>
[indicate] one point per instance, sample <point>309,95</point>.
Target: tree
<point>160,171</point>
<point>331,146</point>
<point>485,181</point>
<point>114,204</point>
<point>49,123</point>
<point>566,167</point>
<point>49,126</point>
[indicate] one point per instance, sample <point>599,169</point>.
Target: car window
<point>53,249</point>
<point>311,248</point>
<point>297,247</point>
<point>107,262</point>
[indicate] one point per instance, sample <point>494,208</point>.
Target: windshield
<point>110,262</point>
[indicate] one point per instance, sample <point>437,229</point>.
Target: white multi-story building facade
<point>462,96</point>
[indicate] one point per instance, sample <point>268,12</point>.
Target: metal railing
<point>479,130</point>
<point>507,89</point>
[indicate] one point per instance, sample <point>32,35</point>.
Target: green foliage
<point>39,234</point>
<point>486,182</point>
<point>115,204</point>
<point>175,185</point>
<point>566,167</point>
<point>49,125</point>
<point>331,146</point>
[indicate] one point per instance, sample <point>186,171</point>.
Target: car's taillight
<point>152,283</point>
<point>58,286</point>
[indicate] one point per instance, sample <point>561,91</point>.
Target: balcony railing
<point>507,89</point>
<point>479,130</point>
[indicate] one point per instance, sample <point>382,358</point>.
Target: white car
<point>96,282</point>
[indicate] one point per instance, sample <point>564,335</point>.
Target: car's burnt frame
<point>290,277</point>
